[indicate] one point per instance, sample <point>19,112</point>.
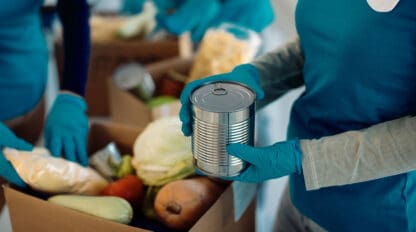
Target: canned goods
<point>223,113</point>
<point>134,78</point>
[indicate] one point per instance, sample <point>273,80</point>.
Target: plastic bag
<point>49,174</point>
<point>223,48</point>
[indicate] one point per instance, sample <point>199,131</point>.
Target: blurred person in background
<point>351,142</point>
<point>23,78</point>
<point>195,16</point>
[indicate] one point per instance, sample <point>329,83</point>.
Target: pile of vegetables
<point>157,183</point>
<point>163,160</point>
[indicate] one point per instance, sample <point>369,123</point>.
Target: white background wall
<point>272,121</point>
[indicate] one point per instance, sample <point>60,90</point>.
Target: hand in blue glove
<point>66,128</point>
<point>9,139</point>
<point>280,159</point>
<point>130,7</point>
<point>168,5</point>
<point>252,14</point>
<point>194,16</point>
<point>245,74</point>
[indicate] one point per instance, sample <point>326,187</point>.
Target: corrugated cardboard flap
<point>47,217</point>
<point>220,216</point>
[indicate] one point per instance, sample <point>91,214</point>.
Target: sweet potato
<point>179,204</point>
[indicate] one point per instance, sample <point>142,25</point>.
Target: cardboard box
<point>30,212</point>
<point>108,52</point>
<point>128,109</point>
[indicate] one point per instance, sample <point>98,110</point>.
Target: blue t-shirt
<point>24,53</point>
<point>360,70</point>
<point>23,57</point>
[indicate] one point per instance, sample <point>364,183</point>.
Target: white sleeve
<point>385,149</point>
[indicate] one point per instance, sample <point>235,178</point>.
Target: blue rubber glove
<point>252,14</point>
<point>167,5</point>
<point>9,139</point>
<point>130,7</point>
<point>264,163</point>
<point>245,74</point>
<point>66,128</point>
<point>194,16</point>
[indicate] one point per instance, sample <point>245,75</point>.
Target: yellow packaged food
<point>223,48</point>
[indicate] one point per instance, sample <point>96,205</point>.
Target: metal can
<point>223,113</point>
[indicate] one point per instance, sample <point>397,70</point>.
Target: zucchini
<point>108,207</point>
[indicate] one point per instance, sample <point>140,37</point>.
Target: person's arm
<point>66,127</point>
<point>280,71</point>
<point>9,139</point>
<point>74,15</point>
<point>383,150</point>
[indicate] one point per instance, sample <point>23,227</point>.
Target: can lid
<point>223,97</point>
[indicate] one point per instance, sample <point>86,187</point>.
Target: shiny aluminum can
<point>223,113</point>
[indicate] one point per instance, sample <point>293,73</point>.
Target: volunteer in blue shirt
<point>351,142</point>
<point>196,16</point>
<point>23,77</point>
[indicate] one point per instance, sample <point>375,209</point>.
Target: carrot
<point>179,204</point>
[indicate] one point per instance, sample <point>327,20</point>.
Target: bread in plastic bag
<point>49,174</point>
<point>162,153</point>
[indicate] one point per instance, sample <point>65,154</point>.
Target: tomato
<point>129,187</point>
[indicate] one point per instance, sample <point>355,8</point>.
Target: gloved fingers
<point>185,115</point>
<point>18,144</point>
<point>132,6</point>
<point>70,100</point>
<point>186,92</point>
<point>244,152</point>
<point>81,151</point>
<point>199,31</point>
<point>179,21</point>
<point>9,173</point>
<point>190,15</point>
<point>251,78</point>
<point>164,5</point>
<point>205,22</point>
<point>68,145</point>
<point>54,144</point>
<point>259,92</point>
<point>9,139</point>
<point>250,174</point>
<point>198,172</point>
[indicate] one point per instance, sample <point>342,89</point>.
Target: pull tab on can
<point>218,90</point>
<point>223,113</point>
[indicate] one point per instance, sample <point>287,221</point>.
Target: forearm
<point>383,150</point>
<point>280,71</point>
<point>74,15</point>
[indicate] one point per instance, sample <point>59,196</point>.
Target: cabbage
<point>162,153</point>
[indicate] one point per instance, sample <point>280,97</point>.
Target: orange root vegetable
<point>179,204</point>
